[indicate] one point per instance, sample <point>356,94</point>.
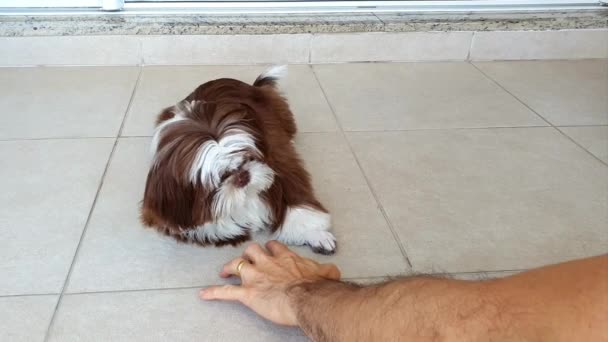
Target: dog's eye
<point>245,161</point>
<point>224,176</point>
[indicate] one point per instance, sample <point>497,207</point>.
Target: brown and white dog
<point>225,166</point>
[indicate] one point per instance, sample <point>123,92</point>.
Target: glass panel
<point>50,3</point>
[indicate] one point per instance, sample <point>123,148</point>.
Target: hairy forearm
<point>413,308</point>
<point>564,302</point>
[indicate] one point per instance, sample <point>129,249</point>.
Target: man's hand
<point>266,277</point>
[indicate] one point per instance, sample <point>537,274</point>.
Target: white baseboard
<point>303,48</point>
<point>525,45</point>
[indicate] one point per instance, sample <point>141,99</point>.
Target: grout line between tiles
<point>468,58</point>
<point>369,185</point>
<point>134,136</point>
<point>141,290</point>
<point>323,132</point>
<point>310,43</point>
<point>90,214</point>
<point>219,284</point>
<point>575,126</point>
<point>266,63</point>
<point>84,230</point>
<point>579,145</point>
<point>140,43</point>
<point>55,138</point>
<point>28,295</point>
<point>150,136</point>
<point>540,116</point>
<point>135,87</point>
<point>510,93</point>
<point>396,130</point>
<point>442,129</point>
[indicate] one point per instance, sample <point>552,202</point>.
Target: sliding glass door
<point>50,3</point>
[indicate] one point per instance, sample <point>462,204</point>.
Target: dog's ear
<point>166,114</point>
<point>182,108</point>
<point>169,201</point>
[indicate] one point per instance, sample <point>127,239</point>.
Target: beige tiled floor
<point>430,167</point>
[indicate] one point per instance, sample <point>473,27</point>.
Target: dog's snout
<point>242,178</point>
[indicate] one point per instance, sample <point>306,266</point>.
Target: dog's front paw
<point>308,226</point>
<point>321,242</point>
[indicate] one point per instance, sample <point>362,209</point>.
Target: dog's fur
<point>225,166</point>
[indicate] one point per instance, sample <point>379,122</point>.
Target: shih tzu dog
<point>225,166</point>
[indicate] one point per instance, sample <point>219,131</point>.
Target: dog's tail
<point>271,76</point>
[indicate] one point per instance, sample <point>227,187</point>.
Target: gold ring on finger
<point>239,267</point>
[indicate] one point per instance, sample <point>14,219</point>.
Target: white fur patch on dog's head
<point>215,158</point>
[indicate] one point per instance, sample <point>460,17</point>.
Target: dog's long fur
<point>225,165</point>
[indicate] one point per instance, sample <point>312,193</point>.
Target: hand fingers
<point>254,253</point>
<point>230,269</point>
<point>225,292</point>
<point>277,248</point>
<point>329,271</point>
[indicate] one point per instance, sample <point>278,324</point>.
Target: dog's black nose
<point>241,178</point>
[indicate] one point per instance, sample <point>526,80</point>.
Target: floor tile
<point>594,139</point>
<point>48,187</point>
<point>117,253</point>
<point>25,318</point>
<point>366,247</point>
<point>161,87</point>
<point>64,102</point>
<point>563,92</point>
<point>418,95</point>
<point>168,315</point>
<point>485,200</point>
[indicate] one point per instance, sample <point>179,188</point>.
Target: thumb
<point>225,292</point>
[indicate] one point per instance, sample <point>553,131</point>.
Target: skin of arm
<point>564,302</point>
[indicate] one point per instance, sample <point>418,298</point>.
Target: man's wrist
<point>310,299</point>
